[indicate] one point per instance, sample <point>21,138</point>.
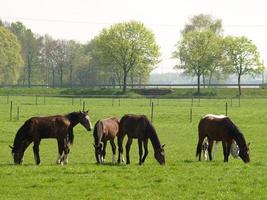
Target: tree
<point>10,58</point>
<point>126,45</point>
<point>203,22</point>
<point>242,58</point>
<point>31,46</point>
<point>198,52</point>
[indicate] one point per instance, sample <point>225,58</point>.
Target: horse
<point>139,127</point>
<point>221,128</point>
<point>57,126</point>
<point>104,130</point>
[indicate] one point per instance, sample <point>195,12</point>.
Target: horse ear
<point>11,147</point>
<point>87,111</point>
<point>162,146</point>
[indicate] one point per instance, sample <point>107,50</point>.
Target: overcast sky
<point>81,20</point>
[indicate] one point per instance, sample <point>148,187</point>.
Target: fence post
<point>83,105</point>
<point>192,101</point>
<point>226,109</point>
<point>152,111</point>
<point>191,115</point>
<point>18,113</point>
<point>10,114</point>
<point>112,102</point>
<point>36,99</point>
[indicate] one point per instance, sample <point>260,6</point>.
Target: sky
<point>81,20</point>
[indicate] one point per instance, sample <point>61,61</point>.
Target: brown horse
<point>58,126</point>
<point>221,128</point>
<point>104,130</point>
<point>138,126</point>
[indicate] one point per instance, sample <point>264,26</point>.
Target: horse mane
<point>236,133</point>
<point>72,117</point>
<point>21,134</point>
<point>150,129</point>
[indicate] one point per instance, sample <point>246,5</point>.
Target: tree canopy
<point>125,47</point>
<point>10,57</point>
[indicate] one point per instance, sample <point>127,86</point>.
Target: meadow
<point>183,177</point>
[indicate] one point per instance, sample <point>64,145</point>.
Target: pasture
<point>183,177</point>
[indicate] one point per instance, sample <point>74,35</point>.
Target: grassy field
<point>183,177</point>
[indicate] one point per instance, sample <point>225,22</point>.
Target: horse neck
<point>153,137</point>
<point>73,120</point>
<point>21,134</point>
<point>238,137</point>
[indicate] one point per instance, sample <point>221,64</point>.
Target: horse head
<point>244,153</point>
<point>85,120</point>
<point>160,155</point>
<point>17,154</point>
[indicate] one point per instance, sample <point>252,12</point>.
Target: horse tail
<point>201,137</point>
<point>71,136</point>
<point>95,133</point>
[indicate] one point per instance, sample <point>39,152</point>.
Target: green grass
<point>183,177</point>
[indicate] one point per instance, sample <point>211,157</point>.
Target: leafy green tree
<point>10,58</point>
<point>126,46</point>
<point>203,22</point>
<point>198,52</point>
<point>243,58</point>
<point>31,47</point>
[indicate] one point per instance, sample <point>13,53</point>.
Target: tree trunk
<point>198,84</point>
<point>29,70</point>
<point>61,75</point>
<point>132,79</point>
<point>124,80</point>
<point>71,84</point>
<point>203,79</point>
<point>53,77</point>
<point>239,84</point>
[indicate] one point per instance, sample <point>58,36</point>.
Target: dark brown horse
<point>139,127</point>
<point>221,128</point>
<point>105,130</point>
<point>58,126</point>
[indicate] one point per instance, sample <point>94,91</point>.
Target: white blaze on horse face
<point>89,121</point>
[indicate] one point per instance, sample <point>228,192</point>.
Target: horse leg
<point>199,148</point>
<point>140,151</point>
<point>120,148</point>
<point>146,150</point>
<point>225,151</point>
<point>60,144</point>
<point>128,146</point>
<point>66,152</point>
<point>113,146</point>
<point>228,147</point>
<point>210,149</point>
<point>103,153</point>
<point>36,144</point>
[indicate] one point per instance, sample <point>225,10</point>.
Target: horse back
<point>215,128</point>
<point>49,127</point>
<point>134,126</point>
<point>107,128</point>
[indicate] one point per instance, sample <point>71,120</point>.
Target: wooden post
<point>192,101</point>
<point>226,109</point>
<point>83,105</point>
<point>152,111</point>
<point>10,114</point>
<point>36,99</point>
<point>18,113</point>
<point>191,115</point>
<point>112,102</point>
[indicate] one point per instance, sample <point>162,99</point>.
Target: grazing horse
<point>104,130</point>
<point>58,126</point>
<point>138,126</point>
<point>221,128</point>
